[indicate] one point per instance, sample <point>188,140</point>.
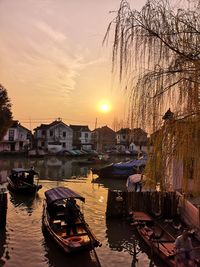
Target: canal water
<point>23,244</point>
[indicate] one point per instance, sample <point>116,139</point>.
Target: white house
<point>123,139</point>
<point>17,139</point>
<point>53,137</point>
<point>138,141</point>
<point>82,137</point>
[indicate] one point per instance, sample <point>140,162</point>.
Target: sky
<point>53,63</point>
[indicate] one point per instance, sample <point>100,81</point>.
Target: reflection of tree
<point>122,237</point>
<point>2,246</point>
<point>117,232</point>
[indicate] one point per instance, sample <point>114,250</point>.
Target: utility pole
<point>95,124</point>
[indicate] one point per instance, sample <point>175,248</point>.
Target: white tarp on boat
<point>133,180</point>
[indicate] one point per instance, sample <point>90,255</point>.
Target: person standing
<point>71,216</point>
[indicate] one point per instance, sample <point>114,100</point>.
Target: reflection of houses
<point>123,139</point>
<point>81,137</point>
<point>53,137</point>
<point>138,140</point>
<point>103,138</point>
<point>17,139</point>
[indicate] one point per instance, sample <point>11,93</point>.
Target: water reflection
<point>52,168</point>
<point>3,252</point>
<point>23,202</point>
<point>23,240</point>
<point>58,259</point>
<point>117,233</point>
<point>108,183</point>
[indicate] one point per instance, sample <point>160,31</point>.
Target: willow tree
<point>5,111</point>
<point>156,52</point>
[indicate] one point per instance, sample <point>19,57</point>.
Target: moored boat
<point>121,169</point>
<point>161,240</point>
<point>55,224</point>
<point>21,181</point>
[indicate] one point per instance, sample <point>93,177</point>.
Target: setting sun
<point>104,107</point>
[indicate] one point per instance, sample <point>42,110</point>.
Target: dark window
<point>42,143</point>
<point>86,135</point>
<point>51,133</point>
<point>64,135</point>
<point>64,144</point>
<point>43,132</point>
<point>11,135</point>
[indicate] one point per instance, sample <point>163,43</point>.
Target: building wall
<point>15,139</point>
<point>86,138</point>
<point>57,133</point>
<point>104,139</point>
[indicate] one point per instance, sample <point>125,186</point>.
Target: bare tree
<point>157,54</point>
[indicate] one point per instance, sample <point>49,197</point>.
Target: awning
<point>59,193</point>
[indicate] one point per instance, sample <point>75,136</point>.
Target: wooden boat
<point>22,181</point>
<point>54,222</point>
<point>159,241</point>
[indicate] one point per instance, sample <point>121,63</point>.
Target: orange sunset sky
<point>53,63</point>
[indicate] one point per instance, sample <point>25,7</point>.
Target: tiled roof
<point>77,128</point>
<point>47,126</point>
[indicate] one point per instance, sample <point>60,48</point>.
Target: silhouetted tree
<point>5,112</point>
<point>157,53</point>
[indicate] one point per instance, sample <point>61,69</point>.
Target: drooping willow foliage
<point>156,52</point>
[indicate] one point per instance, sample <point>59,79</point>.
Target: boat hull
<point>72,244</point>
<point>23,189</point>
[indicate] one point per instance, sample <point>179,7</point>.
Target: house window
<point>43,132</point>
<point>11,134</point>
<point>124,136</point>
<point>64,135</point>
<point>42,143</point>
<point>86,135</point>
<point>51,133</point>
<point>64,144</point>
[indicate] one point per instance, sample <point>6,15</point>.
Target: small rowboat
<point>157,238</point>
<point>54,222</point>
<point>22,181</point>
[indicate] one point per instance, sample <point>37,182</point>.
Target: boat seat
<point>56,224</point>
<point>59,214</point>
<point>167,248</point>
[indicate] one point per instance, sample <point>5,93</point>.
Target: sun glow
<point>104,107</point>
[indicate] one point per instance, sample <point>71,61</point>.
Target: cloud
<point>55,35</point>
